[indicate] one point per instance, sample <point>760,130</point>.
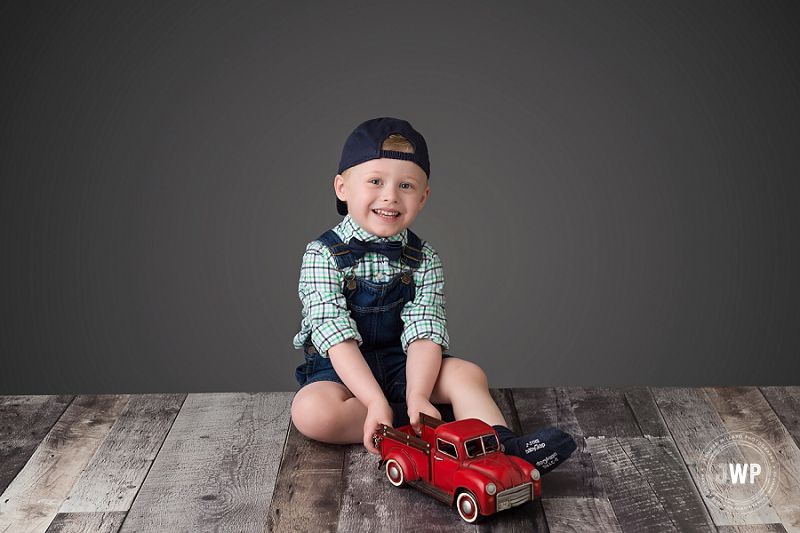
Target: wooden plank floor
<point>234,463</point>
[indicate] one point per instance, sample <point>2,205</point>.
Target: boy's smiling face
<point>383,195</point>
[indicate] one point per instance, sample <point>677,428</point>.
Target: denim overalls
<point>376,309</point>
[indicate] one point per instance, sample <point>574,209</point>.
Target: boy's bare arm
<point>350,365</point>
<point>422,370</point>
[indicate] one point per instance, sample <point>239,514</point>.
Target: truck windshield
<point>481,445</point>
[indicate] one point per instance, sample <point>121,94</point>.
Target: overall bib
<point>375,308</point>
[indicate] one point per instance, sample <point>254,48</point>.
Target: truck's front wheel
<point>467,507</point>
<point>395,473</point>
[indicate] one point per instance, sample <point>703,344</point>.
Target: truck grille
<point>514,496</point>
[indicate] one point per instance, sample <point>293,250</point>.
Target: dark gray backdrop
<point>614,186</point>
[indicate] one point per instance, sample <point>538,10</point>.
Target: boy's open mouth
<point>386,214</point>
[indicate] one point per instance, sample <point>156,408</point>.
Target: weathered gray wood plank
<point>579,515</point>
<point>217,468</point>
<point>694,424</point>
<point>648,485</point>
<point>577,477</point>
<point>87,522</point>
<point>523,519</point>
<point>309,486</point>
<point>746,409</point>
<point>33,498</point>
<point>785,401</point>
<point>758,528</point>
<point>116,472</point>
<point>617,412</point>
<point>24,422</point>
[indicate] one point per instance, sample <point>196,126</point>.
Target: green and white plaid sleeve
<point>325,313</point>
<point>424,316</point>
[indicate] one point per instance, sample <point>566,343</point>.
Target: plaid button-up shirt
<point>325,314</point>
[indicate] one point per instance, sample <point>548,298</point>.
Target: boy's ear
<point>424,198</point>
<point>338,187</point>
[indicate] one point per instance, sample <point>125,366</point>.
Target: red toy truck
<point>458,462</point>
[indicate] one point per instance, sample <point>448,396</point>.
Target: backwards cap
<point>365,142</point>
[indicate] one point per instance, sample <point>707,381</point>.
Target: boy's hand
<point>417,405</point>
<point>378,412</point>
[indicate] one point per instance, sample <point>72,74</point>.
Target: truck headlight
<point>491,489</point>
<point>535,475</point>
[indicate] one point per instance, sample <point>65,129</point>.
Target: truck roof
<point>461,429</point>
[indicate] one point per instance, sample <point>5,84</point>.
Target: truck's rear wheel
<point>395,473</point>
<point>467,507</point>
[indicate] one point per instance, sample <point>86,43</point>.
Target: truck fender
<point>474,483</point>
<point>471,480</point>
<point>404,461</point>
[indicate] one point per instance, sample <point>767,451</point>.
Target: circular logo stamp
<point>739,471</point>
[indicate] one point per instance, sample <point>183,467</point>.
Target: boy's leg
<point>465,385</point>
<point>328,412</point>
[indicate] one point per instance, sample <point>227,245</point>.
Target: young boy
<point>373,328</point>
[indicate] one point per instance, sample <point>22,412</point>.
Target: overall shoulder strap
<point>412,252</point>
<point>339,250</point>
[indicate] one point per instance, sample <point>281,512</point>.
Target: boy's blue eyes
<point>402,185</point>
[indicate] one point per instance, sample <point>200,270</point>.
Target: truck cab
<point>458,462</point>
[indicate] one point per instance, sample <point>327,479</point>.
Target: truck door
<point>445,463</point>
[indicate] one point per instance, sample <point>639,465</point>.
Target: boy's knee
<point>473,373</point>
<point>307,416</point>
<point>466,372</point>
<point>313,414</point>
<point>299,414</point>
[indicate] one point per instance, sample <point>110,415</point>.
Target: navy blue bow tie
<point>393,249</point>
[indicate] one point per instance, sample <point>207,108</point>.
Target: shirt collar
<point>348,229</point>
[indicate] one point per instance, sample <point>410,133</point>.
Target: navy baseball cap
<point>364,144</point>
